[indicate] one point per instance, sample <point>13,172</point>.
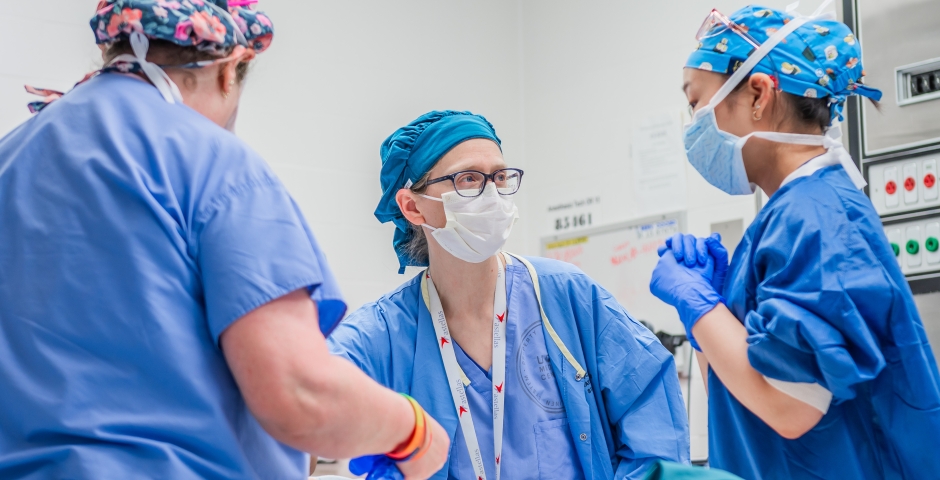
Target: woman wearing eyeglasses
<point>583,391</point>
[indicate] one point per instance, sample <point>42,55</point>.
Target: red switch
<point>909,184</point>
<point>930,180</point>
<point>891,187</point>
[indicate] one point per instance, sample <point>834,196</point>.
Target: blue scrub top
<point>537,442</point>
<point>134,233</point>
<point>822,296</point>
<point>626,414</point>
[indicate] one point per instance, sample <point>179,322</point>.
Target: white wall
<point>563,82</point>
<point>593,72</point>
<point>341,76</point>
<point>48,46</point>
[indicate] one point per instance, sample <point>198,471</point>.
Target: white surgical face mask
<point>477,227</point>
<point>717,155</point>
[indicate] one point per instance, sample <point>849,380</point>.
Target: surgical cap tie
<point>158,77</point>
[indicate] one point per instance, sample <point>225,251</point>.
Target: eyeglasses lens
<point>469,184</point>
<point>715,24</point>
<point>507,181</point>
<point>472,184</point>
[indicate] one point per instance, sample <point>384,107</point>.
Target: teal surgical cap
<point>411,152</point>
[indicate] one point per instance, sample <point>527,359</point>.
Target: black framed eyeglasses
<point>471,183</point>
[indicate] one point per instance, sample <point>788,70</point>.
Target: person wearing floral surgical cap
<point>817,362</point>
<point>163,302</point>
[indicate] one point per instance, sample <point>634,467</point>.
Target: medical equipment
<point>897,144</point>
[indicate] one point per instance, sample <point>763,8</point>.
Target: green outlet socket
<point>932,244</point>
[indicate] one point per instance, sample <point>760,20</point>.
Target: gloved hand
<point>687,249</point>
<point>720,254</point>
<point>688,289</point>
<point>378,467</point>
<point>692,250</point>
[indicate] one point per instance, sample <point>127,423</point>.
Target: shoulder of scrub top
<point>823,210</point>
<point>621,354</point>
<point>825,188</point>
<point>566,290</point>
<point>550,267</point>
<point>166,139</point>
<point>365,337</point>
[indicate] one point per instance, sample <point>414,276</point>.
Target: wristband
<point>424,448</point>
<point>418,436</point>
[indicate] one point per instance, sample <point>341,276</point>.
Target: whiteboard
<point>621,258</point>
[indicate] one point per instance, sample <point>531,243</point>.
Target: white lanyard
<point>454,377</point>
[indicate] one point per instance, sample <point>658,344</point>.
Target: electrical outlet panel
<point>916,245</point>
<point>919,82</point>
<point>904,185</point>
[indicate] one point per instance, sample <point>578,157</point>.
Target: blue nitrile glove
<point>688,289</point>
<point>686,248</point>
<point>691,250</point>
<point>720,254</point>
<point>378,467</point>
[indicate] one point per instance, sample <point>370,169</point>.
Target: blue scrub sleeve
<point>253,246</point>
<point>641,392</point>
<point>808,324</point>
<point>365,342</point>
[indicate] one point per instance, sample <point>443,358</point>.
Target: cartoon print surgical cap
<point>820,59</point>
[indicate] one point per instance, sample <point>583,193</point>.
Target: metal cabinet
<point>897,142</point>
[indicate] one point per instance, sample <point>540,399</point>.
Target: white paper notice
<point>659,165</point>
<point>580,213</point>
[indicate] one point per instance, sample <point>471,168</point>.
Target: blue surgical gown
<point>624,416</point>
<point>134,232</point>
<point>822,296</point>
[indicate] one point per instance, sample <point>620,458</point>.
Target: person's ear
<point>228,74</point>
<point>762,89</point>
<point>409,207</point>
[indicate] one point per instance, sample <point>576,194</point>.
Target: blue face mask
<point>716,154</point>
